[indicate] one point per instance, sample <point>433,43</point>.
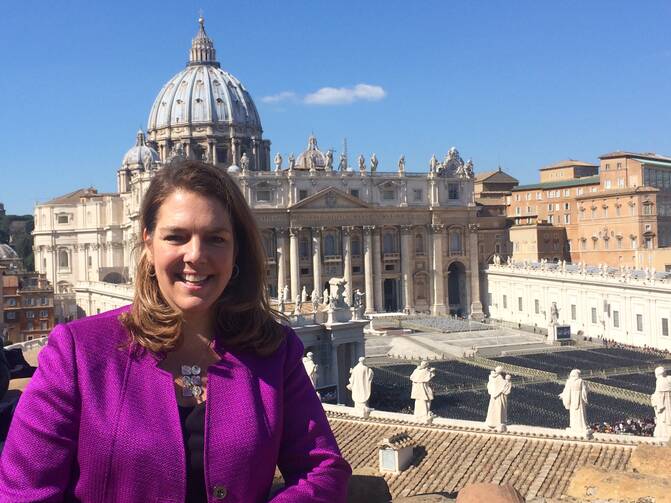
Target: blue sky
<point>521,84</point>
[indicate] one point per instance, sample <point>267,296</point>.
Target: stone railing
<point>581,272</point>
<point>120,291</point>
<point>481,361</point>
<point>624,394</point>
<point>28,345</point>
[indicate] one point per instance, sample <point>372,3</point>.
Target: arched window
<point>329,245</point>
<point>419,244</point>
<point>420,288</point>
<point>455,242</point>
<point>63,259</point>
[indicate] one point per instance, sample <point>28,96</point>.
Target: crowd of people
<point>632,426</point>
<point>662,353</point>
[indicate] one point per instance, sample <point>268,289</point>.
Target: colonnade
<point>379,264</point>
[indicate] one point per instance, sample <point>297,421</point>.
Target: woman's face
<point>193,251</point>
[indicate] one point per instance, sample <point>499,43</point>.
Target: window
<point>550,219</point>
<point>44,301</point>
<point>62,219</point>
<point>388,243</point>
<point>594,316</point>
<point>567,206</point>
<point>665,326</point>
<point>605,242</point>
<point>634,243</point>
<point>539,195</point>
<point>639,322</point>
<point>30,315</point>
<point>44,325</point>
<point>647,209</point>
<point>518,211</point>
<point>593,212</point>
<point>573,312</point>
<point>567,192</point>
<point>579,191</point>
<point>607,184</point>
<point>329,245</point>
<point>455,242</point>
<point>619,166</point>
<point>356,247</point>
<point>616,319</point>
<point>537,307</point>
<point>302,194</point>
<point>618,243</point>
<point>632,209</point>
<point>505,302</point>
<point>90,260</point>
<point>417,195</point>
<point>263,196</point>
<point>11,302</point>
<point>567,218</point>
<point>419,244</point>
<point>10,315</point>
<point>550,207</point>
<point>44,313</point>
<point>607,167</point>
<point>63,259</point>
<point>388,195</point>
<point>647,243</point>
<point>620,182</point>
<point>517,196</point>
<point>304,248</point>
<point>453,191</point>
<point>605,212</point>
<point>527,196</point>
<point>519,304</point>
<point>354,192</point>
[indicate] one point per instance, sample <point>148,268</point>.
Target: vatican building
<point>410,241</point>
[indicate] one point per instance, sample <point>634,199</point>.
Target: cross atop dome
<point>202,48</point>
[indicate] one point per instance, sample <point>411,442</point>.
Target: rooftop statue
<point>373,163</point>
<point>292,161</point>
<point>278,161</point>
<point>244,162</point>
<point>433,164</point>
<point>574,398</point>
<point>498,387</point>
<point>421,392</point>
<point>661,402</point>
<point>401,164</point>
<point>554,314</point>
<point>360,381</point>
<point>329,160</point>
<point>362,163</point>
<point>342,165</point>
<point>176,152</point>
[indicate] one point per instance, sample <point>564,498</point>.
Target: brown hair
<point>245,319</point>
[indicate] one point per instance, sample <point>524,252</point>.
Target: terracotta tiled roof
<point>447,459</point>
<point>73,197</point>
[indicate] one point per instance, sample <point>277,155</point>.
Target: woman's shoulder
<point>99,331</point>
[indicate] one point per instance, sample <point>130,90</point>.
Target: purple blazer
<point>98,425</point>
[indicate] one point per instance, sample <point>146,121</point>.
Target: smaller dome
<point>233,169</point>
<point>140,156</point>
<point>311,157</point>
<point>7,252</point>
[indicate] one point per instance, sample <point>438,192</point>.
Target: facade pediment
<point>330,198</point>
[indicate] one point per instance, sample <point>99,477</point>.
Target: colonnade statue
<point>421,392</point>
<point>311,368</point>
<point>498,387</point>
<point>661,402</point>
<point>574,398</point>
<point>360,381</point>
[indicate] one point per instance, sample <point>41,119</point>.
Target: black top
<point>193,430</point>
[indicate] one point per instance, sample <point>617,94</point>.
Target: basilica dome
<point>205,113</point>
<point>141,155</point>
<point>203,93</point>
<point>312,157</point>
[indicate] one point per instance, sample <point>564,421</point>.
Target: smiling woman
<point>193,393</point>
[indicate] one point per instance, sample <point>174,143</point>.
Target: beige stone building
<point>410,241</point>
<point>614,213</point>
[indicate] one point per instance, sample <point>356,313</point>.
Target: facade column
<point>317,259</point>
<point>476,305</point>
<point>407,269</point>
<point>377,270</point>
<point>438,307</point>
<point>347,262</point>
<point>281,235</point>
<point>294,264</point>
<point>213,153</point>
<point>368,257</point>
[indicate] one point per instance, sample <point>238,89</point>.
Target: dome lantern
<point>202,48</point>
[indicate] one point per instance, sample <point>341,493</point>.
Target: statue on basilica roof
<point>278,161</point>
<point>342,165</point>
<point>329,160</point>
<point>373,163</point>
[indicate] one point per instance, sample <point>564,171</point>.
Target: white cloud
<point>280,97</point>
<point>345,95</point>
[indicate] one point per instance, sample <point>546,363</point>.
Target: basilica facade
<point>410,241</point>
